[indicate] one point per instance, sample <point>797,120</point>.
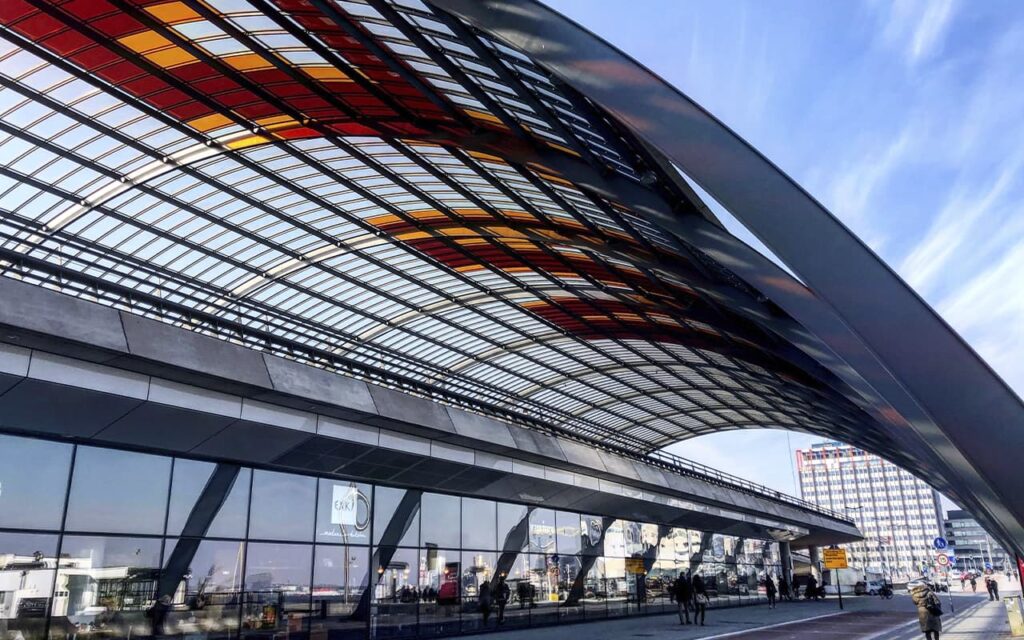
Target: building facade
<point>975,549</point>
<point>91,538</point>
<point>898,513</point>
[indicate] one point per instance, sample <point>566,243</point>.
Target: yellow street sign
<point>635,565</point>
<point>835,559</point>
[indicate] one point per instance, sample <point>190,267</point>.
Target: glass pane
<point>118,492</point>
<point>402,531</point>
<point>617,584</point>
<point>570,570</point>
<point>206,600</point>
<point>544,586</point>
<point>187,484</point>
<point>478,523</point>
<point>340,578</point>
<point>440,523</point>
<point>441,591</point>
<point>595,592</point>
<point>478,600</point>
<point>518,613</point>
<point>33,482</point>
<point>343,512</point>
<point>568,533</point>
<point>542,530</point>
<point>396,592</point>
<point>615,540</point>
<point>510,516</point>
<point>26,582</point>
<point>277,595</point>
<point>282,506</point>
<point>107,585</point>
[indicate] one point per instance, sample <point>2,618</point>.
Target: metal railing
<point>689,467</point>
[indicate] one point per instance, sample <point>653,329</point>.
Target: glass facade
<point>115,544</point>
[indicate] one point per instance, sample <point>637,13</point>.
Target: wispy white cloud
<point>964,216</point>
<point>989,312</point>
<point>917,28</point>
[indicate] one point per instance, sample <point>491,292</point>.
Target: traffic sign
<point>835,559</point>
<point>942,559</point>
<point>940,543</point>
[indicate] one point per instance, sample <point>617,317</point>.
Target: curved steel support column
<point>952,402</point>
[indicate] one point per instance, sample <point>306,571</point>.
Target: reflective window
<point>396,592</point>
<point>208,587</point>
<point>107,585</point>
<point>479,602</point>
<point>479,519</point>
<point>567,530</point>
<point>396,517</point>
<point>542,530</point>
<point>27,562</point>
<point>277,595</point>
<point>340,579</point>
<point>343,512</point>
<point>118,492</point>
<point>441,590</point>
<point>513,531</point>
<point>33,482</point>
<point>282,506</point>
<point>439,524</point>
<point>189,479</point>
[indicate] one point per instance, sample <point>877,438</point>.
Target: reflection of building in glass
<point>898,513</point>
<point>557,564</point>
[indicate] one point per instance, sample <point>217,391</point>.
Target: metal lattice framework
<point>363,186</point>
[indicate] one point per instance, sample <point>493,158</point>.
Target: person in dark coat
<point>929,608</point>
<point>502,594</point>
<point>157,614</point>
<point>811,590</point>
<point>993,587</point>
<point>682,589</point>
<point>700,600</point>
<point>770,590</point>
<point>974,584</point>
<point>484,598</point>
<point>784,589</point>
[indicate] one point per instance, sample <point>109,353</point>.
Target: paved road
<point>865,618</point>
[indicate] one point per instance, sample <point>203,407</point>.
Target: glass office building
<point>91,538</point>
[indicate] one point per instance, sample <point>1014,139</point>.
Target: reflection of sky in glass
<point>33,481</point>
<point>118,491</point>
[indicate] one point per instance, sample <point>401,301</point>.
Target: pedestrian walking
<point>992,587</point>
<point>974,584</point>
<point>784,589</point>
<point>484,598</point>
<point>769,589</point>
<point>682,589</point>
<point>811,590</point>
<point>501,596</point>
<point>929,610</point>
<point>700,600</point>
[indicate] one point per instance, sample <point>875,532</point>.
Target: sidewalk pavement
<point>863,617</point>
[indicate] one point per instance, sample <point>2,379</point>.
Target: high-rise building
<point>898,513</point>
<point>975,548</point>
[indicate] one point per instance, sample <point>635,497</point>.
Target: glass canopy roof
<point>361,186</point>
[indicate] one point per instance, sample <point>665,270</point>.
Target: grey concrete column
<point>815,556</point>
<point>786,558</point>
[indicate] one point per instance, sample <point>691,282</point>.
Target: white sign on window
<point>344,505</point>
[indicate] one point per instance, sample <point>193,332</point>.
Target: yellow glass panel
<point>276,123</point>
<point>248,141</point>
<point>480,115</point>
<point>209,123</point>
<point>168,58</point>
<point>144,41</point>
<point>247,62</point>
<point>173,12</point>
<point>327,74</point>
<point>413,235</point>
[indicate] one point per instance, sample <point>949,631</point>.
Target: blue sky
<point>904,117</point>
